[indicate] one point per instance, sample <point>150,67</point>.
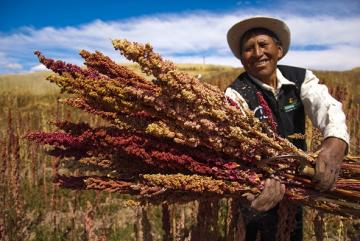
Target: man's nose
<point>258,51</point>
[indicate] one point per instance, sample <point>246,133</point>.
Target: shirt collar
<point>281,80</point>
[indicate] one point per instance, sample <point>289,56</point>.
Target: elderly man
<point>290,92</point>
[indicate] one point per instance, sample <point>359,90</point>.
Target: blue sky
<point>325,34</point>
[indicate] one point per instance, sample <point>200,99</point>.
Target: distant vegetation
<point>221,76</point>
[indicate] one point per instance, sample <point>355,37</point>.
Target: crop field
<point>32,207</point>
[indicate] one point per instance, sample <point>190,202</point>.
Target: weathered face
<point>260,54</point>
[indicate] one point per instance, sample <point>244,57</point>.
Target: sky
<point>324,34</point>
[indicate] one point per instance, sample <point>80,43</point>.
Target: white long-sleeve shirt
<point>324,111</point>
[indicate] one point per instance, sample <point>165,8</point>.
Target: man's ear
<point>241,60</point>
<point>281,51</point>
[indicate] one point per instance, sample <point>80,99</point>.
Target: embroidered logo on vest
<point>293,104</point>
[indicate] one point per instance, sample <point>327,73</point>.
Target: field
<point>33,208</point>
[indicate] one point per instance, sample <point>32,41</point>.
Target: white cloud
<point>324,30</point>
<point>38,68</point>
<point>188,37</point>
<point>13,66</point>
<point>9,64</point>
<point>338,58</point>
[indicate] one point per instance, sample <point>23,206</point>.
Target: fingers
<point>249,196</point>
<point>319,170</point>
<point>319,174</point>
<point>264,196</point>
<point>271,195</point>
<point>328,163</point>
<point>328,179</point>
<point>325,175</point>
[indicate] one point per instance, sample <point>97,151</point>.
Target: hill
<point>35,84</point>
<point>222,76</point>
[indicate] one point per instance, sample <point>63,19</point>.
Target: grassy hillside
<point>30,83</point>
<point>35,84</point>
<point>221,76</point>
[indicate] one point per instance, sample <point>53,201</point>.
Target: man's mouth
<point>261,63</point>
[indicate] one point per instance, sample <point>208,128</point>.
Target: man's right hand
<point>270,196</point>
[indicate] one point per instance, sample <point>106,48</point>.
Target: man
<point>290,92</point>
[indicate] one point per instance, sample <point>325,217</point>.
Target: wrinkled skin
<point>328,163</point>
<point>270,196</point>
<point>259,57</point>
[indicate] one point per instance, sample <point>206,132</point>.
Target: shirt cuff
<point>338,132</point>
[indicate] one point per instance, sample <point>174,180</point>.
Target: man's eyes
<point>261,45</point>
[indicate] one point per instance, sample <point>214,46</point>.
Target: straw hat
<point>278,27</point>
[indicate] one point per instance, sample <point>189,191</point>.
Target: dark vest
<point>287,110</point>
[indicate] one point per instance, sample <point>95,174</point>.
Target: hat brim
<point>278,27</point>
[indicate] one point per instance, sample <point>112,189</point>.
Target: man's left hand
<point>328,163</point>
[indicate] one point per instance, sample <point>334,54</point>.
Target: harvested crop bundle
<point>174,134</point>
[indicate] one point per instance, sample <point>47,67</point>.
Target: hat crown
<point>277,26</point>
